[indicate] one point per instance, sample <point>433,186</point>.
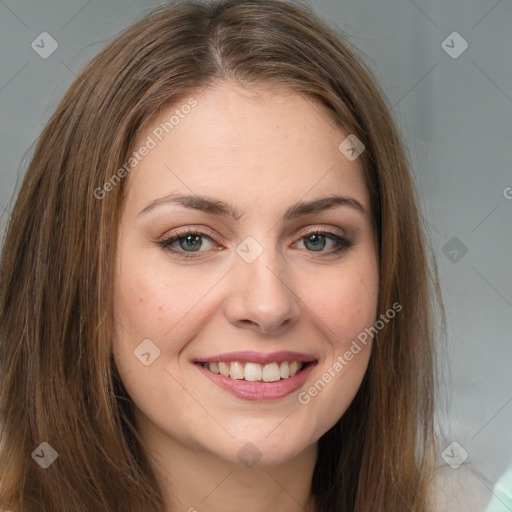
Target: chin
<point>265,450</point>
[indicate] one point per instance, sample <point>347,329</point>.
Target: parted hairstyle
<point>59,382</point>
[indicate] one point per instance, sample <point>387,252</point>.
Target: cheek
<point>154,302</point>
<point>345,301</point>
<point>142,303</point>
<point>344,307</point>
<point>150,305</point>
<point>151,298</point>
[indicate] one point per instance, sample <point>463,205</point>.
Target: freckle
<point>141,299</point>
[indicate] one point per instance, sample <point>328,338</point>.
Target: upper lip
<point>258,357</point>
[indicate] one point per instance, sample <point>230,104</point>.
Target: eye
<point>188,243</point>
<point>319,239</point>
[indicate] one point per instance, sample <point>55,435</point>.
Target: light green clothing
<point>501,500</point>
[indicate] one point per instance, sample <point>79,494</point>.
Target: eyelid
<point>327,230</point>
<point>185,230</point>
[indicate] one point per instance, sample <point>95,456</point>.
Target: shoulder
<point>501,500</point>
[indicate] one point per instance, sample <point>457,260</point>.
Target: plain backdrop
<point>446,69</point>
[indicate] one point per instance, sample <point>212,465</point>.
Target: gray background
<point>455,114</point>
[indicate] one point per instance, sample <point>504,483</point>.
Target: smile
<point>256,376</point>
<point>254,372</point>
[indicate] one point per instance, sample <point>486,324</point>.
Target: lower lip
<point>259,390</point>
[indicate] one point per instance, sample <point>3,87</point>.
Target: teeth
<point>294,368</point>
<point>254,372</point>
<point>271,372</point>
<point>236,370</point>
<point>224,369</point>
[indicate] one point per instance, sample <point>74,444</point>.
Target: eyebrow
<point>217,207</point>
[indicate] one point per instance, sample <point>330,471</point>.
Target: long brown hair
<point>59,383</point>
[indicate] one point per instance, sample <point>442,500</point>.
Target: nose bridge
<point>263,293</point>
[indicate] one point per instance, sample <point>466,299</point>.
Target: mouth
<point>255,372</point>
<point>256,376</point>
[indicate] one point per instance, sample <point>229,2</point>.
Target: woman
<point>214,281</point>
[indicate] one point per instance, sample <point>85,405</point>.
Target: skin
<point>261,150</point>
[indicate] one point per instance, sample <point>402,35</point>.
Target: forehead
<point>267,142</point>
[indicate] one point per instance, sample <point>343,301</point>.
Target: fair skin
<point>260,151</point>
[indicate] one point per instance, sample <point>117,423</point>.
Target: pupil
<point>315,240</point>
<point>191,240</point>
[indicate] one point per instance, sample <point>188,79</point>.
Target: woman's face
<point>249,263</point>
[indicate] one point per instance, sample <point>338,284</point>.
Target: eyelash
<point>341,242</point>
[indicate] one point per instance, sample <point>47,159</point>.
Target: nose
<point>262,296</point>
